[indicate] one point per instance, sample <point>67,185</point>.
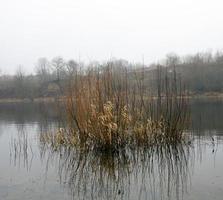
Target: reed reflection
<point>157,172</point>
<point>21,151</point>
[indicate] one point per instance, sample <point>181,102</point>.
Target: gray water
<point>29,170</point>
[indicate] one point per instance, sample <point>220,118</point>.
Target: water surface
<point>29,170</point>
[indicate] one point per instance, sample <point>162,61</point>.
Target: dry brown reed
<point>110,107</point>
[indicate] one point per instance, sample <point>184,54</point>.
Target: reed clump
<point>110,107</point>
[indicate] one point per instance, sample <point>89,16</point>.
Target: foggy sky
<point>100,29</point>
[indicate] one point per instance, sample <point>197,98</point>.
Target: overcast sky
<point>101,29</point>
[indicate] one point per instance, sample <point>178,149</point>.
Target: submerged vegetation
<point>111,108</point>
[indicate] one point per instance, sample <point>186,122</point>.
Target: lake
<point>30,170</point>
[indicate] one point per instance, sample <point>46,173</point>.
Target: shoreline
<point>61,98</point>
<point>35,100</point>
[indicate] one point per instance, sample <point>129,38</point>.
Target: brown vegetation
<point>109,108</point>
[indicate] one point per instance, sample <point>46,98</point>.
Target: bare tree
<point>42,69</point>
<point>172,59</point>
<point>58,64</point>
<point>71,67</point>
<point>20,82</point>
<point>219,57</point>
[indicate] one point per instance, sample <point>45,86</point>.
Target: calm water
<point>29,170</point>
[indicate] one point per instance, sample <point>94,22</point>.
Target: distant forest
<point>201,73</point>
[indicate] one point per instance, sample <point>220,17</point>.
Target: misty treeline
<point>201,73</point>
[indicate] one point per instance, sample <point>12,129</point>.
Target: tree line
<point>201,73</point>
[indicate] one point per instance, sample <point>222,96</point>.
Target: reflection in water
<point>207,116</point>
<point>45,115</point>
<point>21,153</point>
<point>158,172</point>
